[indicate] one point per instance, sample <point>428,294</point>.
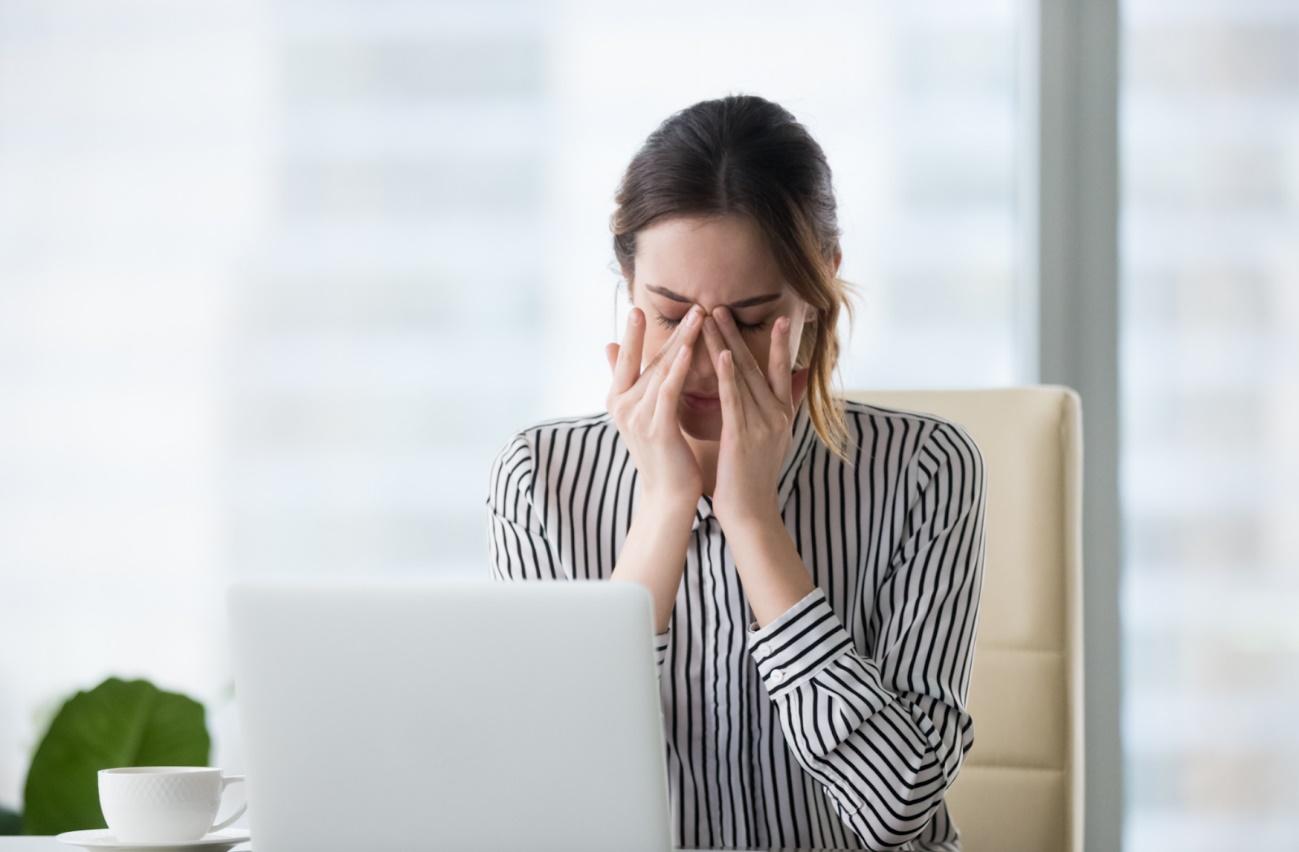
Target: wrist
<point>668,509</point>
<point>753,523</point>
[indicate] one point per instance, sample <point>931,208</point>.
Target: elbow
<point>880,829</point>
<point>889,808</point>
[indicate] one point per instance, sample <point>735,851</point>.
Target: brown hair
<point>745,155</point>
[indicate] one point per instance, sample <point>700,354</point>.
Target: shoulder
<point>543,432</point>
<point>927,439</point>
<point>531,445</point>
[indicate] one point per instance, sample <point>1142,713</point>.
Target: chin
<point>701,426</point>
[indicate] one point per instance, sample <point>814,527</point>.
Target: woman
<point>815,563</point>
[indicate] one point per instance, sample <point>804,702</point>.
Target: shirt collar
<point>801,442</point>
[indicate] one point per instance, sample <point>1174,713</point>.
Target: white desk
<point>49,844</point>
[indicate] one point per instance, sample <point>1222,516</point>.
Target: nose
<point>701,376</point>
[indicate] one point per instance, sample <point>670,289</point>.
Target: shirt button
<point>777,676</point>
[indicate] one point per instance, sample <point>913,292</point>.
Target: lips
<point>701,403</point>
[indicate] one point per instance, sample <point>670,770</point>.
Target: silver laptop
<point>452,714</point>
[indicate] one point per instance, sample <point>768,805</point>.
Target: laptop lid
<point>449,714</point>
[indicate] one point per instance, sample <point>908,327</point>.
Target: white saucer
<point>102,838</point>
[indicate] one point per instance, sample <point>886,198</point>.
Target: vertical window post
<point>1069,191</point>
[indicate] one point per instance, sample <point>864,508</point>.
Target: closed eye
<point>667,322</point>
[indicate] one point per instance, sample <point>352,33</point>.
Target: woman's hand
<point>644,407</point>
<point>757,419</point>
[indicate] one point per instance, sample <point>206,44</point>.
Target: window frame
<point>1068,293</point>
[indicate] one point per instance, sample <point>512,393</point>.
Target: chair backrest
<point>1021,787</point>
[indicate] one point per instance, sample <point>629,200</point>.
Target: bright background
<point>278,279</point>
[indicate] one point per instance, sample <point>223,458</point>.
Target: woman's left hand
<point>757,419</point>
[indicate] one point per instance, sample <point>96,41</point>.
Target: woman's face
<point>711,262</point>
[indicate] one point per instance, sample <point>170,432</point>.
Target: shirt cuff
<point>661,646</point>
<point>798,643</point>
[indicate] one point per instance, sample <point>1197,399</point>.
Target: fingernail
<point>692,316</point>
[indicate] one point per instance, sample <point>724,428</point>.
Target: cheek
<point>655,340</point>
<point>760,346</point>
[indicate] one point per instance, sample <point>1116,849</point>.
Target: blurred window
<point>1209,109</point>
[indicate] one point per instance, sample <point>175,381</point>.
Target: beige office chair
<point>1021,787</point>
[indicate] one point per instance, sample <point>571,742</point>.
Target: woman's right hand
<point>644,407</point>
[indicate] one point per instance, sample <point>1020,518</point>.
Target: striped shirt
<point>842,722</point>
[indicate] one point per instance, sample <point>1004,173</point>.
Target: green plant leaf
<point>118,723</point>
<point>10,822</point>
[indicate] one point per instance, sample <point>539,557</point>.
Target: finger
<point>779,364</point>
<point>658,369</point>
<point>727,386</point>
<point>746,366</point>
<point>729,392</point>
<point>611,355</point>
<point>647,382</point>
<point>716,345</point>
<point>648,393</point>
<point>662,359</point>
<point>627,370</point>
<point>670,392</point>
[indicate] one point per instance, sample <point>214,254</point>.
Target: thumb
<point>611,354</point>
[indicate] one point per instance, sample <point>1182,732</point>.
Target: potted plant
<point>118,723</point>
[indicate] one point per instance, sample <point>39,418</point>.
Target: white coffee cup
<point>163,803</point>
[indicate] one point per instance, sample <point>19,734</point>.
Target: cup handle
<point>226,782</point>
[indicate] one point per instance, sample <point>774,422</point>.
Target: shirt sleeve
<point>886,734</point>
<point>517,544</point>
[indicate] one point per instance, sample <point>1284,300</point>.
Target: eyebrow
<point>743,303</point>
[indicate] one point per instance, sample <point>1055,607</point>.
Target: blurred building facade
<point>277,279</point>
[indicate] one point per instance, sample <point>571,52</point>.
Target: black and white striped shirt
<point>842,722</point>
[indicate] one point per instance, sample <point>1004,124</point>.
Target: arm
<point>654,555</point>
<point>886,734</point>
<point>517,541</point>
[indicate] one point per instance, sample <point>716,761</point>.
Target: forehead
<point>719,260</point>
